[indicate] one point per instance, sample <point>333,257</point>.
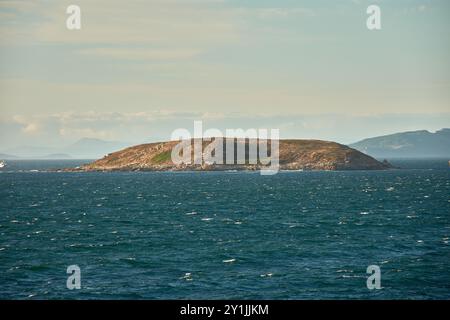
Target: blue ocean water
<point>225,235</point>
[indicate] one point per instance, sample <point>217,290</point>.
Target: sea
<point>225,235</point>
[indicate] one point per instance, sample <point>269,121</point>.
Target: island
<point>295,155</point>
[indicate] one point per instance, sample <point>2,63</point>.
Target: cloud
<point>139,127</point>
<point>86,133</point>
<point>188,26</point>
<point>271,13</point>
<point>28,126</point>
<point>112,22</point>
<point>141,54</point>
<point>123,126</point>
<point>208,55</point>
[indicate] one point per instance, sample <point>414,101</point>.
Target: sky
<point>137,70</point>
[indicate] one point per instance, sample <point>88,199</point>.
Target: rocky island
<point>293,155</point>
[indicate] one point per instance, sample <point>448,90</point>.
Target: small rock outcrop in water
<point>293,155</point>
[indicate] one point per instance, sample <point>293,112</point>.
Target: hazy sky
<point>139,69</point>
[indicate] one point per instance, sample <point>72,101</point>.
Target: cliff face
<point>293,155</point>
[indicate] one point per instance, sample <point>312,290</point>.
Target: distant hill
<point>85,148</point>
<point>4,156</point>
<point>30,152</point>
<point>293,154</point>
<point>33,155</point>
<point>413,144</point>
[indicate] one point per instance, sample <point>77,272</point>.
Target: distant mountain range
<point>7,156</point>
<point>413,144</point>
<point>86,148</point>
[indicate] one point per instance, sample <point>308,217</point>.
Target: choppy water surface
<point>295,235</point>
